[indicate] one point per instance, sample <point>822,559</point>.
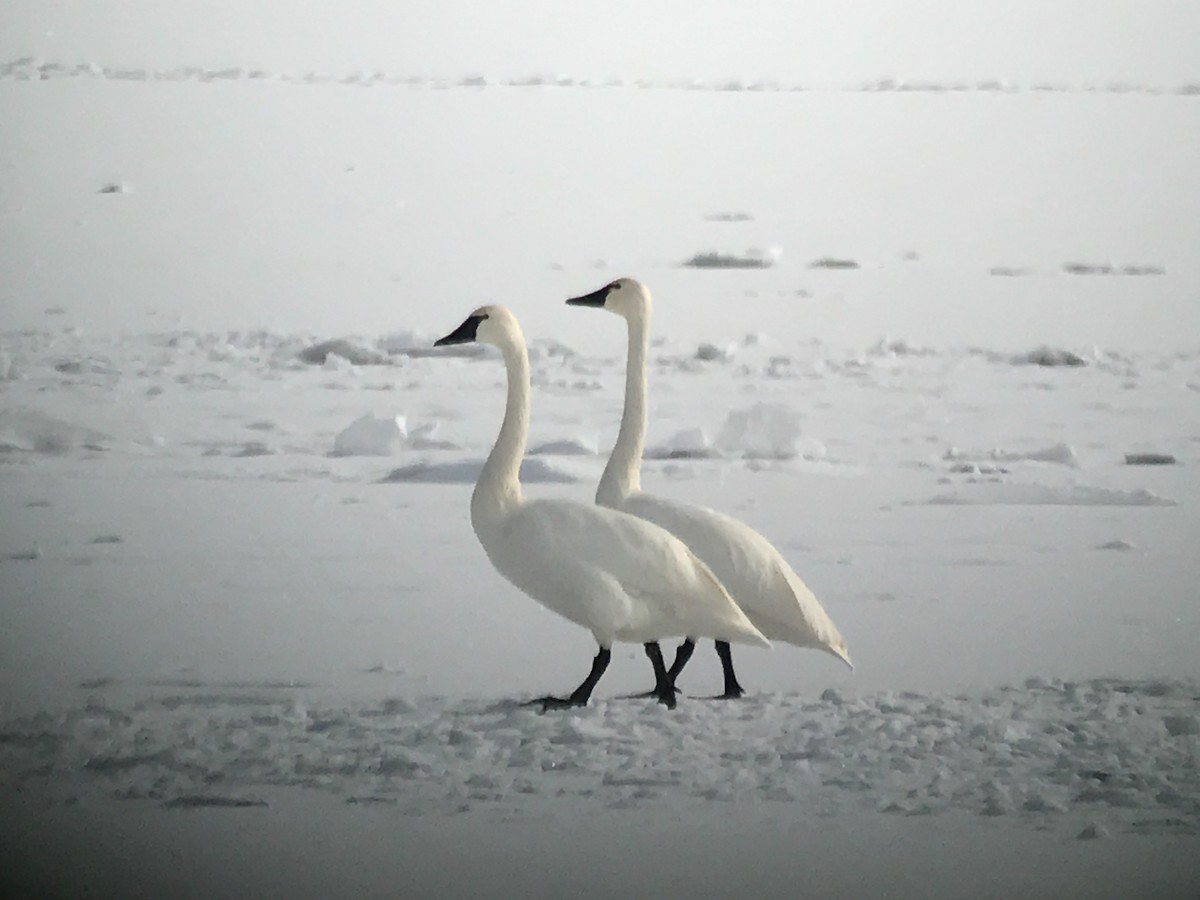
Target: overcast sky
<point>815,42</point>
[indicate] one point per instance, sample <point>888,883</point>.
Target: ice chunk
<point>691,443</point>
<point>1049,495</point>
<point>764,431</point>
<point>712,353</point>
<point>1177,725</point>
<point>36,432</point>
<point>1064,454</point>
<point>371,435</point>
<point>1149,459</point>
<point>466,471</point>
<point>319,353</point>
<point>575,446</point>
<point>752,259</point>
<point>1049,356</point>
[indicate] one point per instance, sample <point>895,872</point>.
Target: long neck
<point>622,475</point>
<point>499,487</point>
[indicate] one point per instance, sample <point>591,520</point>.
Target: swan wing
<point>565,553</point>
<point>750,567</point>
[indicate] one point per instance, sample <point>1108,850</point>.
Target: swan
<point>745,562</point>
<point>616,575</point>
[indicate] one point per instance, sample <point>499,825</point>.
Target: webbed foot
<point>549,702</point>
<point>730,694</point>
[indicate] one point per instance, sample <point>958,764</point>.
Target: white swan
<point>746,563</point>
<point>621,578</point>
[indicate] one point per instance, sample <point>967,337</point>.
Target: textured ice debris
<point>1113,755</point>
<point>1149,459</point>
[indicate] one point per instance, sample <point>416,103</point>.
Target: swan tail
<point>751,636</point>
<point>841,654</point>
<point>737,629</point>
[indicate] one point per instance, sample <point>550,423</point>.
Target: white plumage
<point>616,575</point>
<point>747,564</point>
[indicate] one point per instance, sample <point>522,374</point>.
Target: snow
<point>250,645</point>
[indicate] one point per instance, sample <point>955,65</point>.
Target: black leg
<point>733,690</point>
<point>664,685</point>
<point>682,655</point>
<point>664,680</point>
<point>581,694</point>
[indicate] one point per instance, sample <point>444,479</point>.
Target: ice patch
<point>1049,357</point>
<point>28,68</point>
<point>690,443</point>
<point>541,349</point>
<point>371,435</point>
<point>340,348</point>
<point>466,471</point>
<point>713,353</point>
<point>417,344</point>
<point>254,448</point>
<point>1177,725</point>
<point>751,259</point>
<point>765,431</point>
<point>1081,268</point>
<point>729,217</point>
<point>575,446</point>
<point>34,432</point>
<point>993,494</point>
<point>833,262</point>
<point>896,347</point>
<point>1062,454</point>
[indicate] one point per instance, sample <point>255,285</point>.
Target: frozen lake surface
<point>920,335</point>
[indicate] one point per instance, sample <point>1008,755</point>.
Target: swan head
<point>627,297</point>
<point>494,325</point>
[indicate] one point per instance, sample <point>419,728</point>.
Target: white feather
<point>747,564</point>
<point>618,576</point>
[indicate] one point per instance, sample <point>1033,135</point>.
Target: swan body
<point>747,564</point>
<point>631,584</point>
<point>618,576</point>
<point>751,569</point>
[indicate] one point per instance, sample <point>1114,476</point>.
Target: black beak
<point>595,298</point>
<point>463,334</point>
